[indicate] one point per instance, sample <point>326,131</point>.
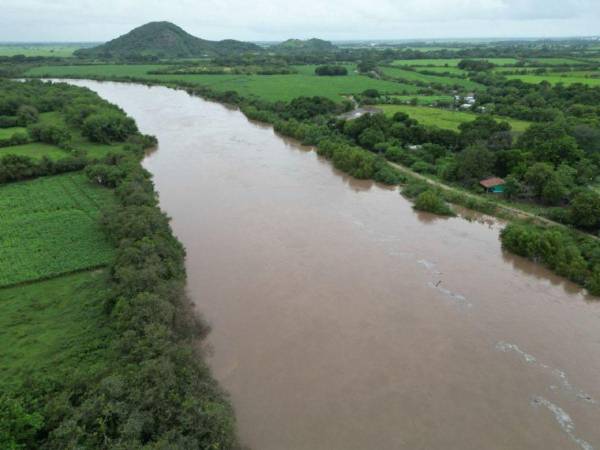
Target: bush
<point>50,134</point>
<point>431,201</point>
<point>107,127</point>
<point>572,256</point>
<point>331,71</point>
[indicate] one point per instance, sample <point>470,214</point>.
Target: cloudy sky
<point>100,20</point>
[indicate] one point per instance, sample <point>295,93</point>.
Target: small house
<point>493,185</point>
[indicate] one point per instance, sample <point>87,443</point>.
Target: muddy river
<point>344,320</point>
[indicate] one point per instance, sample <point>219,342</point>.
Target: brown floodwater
<point>342,319</point>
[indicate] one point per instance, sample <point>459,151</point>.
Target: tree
<point>474,163</point>
<point>537,176</point>
<point>550,142</point>
<point>27,114</point>
<point>553,192</point>
<point>512,187</point>
<point>585,210</point>
<point>106,127</point>
<point>370,137</point>
<point>331,71</point>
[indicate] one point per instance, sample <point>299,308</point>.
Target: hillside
<point>305,46</point>
<point>164,39</point>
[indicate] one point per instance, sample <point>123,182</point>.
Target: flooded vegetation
<point>344,319</point>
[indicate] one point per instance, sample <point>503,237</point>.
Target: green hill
<point>165,40</point>
<point>306,46</point>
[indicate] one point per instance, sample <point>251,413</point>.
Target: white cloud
<point>26,20</point>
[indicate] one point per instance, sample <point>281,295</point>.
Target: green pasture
<point>443,118</point>
<point>408,75</point>
<point>267,87</point>
<point>52,329</point>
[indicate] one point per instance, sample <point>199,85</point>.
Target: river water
<point>344,320</point>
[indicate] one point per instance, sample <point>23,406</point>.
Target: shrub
<point>431,201</point>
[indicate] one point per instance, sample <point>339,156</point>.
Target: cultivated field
<point>566,78</point>
<point>48,227</point>
<point>449,62</point>
<point>412,76</point>
<point>58,50</point>
<point>268,87</point>
<point>54,328</point>
<point>36,150</point>
<point>443,118</point>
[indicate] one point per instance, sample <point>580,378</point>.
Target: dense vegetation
<point>121,368</point>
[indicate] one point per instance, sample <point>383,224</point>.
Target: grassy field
<point>449,62</point>
<point>52,328</point>
<point>567,79</point>
<point>35,150</point>
<point>48,227</point>
<point>443,118</point>
<point>425,100</point>
<point>409,75</point>
<point>440,70</point>
<point>58,50</point>
<point>6,133</point>
<point>268,87</point>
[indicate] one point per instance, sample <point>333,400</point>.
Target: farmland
<point>48,227</point>
<point>267,87</point>
<point>36,150</point>
<point>566,78</point>
<point>56,50</point>
<point>6,133</point>
<point>412,76</point>
<point>443,118</point>
<point>69,335</point>
<point>448,62</point>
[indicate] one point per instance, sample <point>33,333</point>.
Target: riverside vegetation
<point>99,340</point>
<point>131,376</point>
<point>542,138</point>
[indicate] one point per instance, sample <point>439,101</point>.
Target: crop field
<point>555,62</point>
<point>6,133</point>
<point>566,78</point>
<point>267,87</point>
<point>36,150</point>
<point>48,227</point>
<point>449,62</point>
<point>446,119</point>
<point>441,70</point>
<point>425,99</point>
<point>52,328</point>
<point>416,76</point>
<point>58,50</point>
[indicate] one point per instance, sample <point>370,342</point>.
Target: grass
<point>444,118</point>
<point>396,72</point>
<point>425,100</point>
<point>450,62</point>
<point>48,227</point>
<point>566,79</point>
<point>52,328</point>
<point>441,70</point>
<point>57,50</point>
<point>267,87</point>
<point>6,133</point>
<point>36,150</point>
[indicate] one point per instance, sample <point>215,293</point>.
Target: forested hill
<point>165,40</point>
<point>310,45</point>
